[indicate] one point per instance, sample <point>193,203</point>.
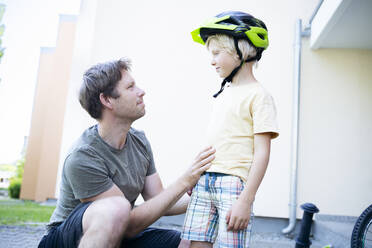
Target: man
<point>109,166</point>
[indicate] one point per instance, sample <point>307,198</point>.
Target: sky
<point>29,25</point>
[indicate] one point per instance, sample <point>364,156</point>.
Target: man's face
<point>129,104</point>
<point>222,61</point>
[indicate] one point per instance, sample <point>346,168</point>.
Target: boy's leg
<point>184,243</point>
<point>198,244</point>
<point>201,221</point>
<point>229,189</point>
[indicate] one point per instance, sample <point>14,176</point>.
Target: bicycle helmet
<point>238,25</point>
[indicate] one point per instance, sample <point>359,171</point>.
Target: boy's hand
<point>238,216</point>
<point>201,163</point>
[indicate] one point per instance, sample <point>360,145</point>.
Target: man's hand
<point>238,216</point>
<point>201,163</point>
<point>148,212</point>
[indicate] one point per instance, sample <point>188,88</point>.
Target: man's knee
<point>108,213</point>
<point>117,207</point>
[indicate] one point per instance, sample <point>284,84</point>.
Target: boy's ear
<point>236,56</point>
<point>105,100</point>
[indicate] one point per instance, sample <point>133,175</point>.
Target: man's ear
<point>105,100</point>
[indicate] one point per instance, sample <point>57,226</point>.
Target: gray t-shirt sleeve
<point>87,174</point>
<point>152,169</point>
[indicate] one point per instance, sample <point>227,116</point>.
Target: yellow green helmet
<point>237,24</point>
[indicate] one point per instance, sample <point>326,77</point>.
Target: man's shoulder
<point>136,132</point>
<point>138,135</point>
<point>85,144</point>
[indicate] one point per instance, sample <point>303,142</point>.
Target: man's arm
<point>151,210</point>
<point>113,191</point>
<point>153,187</point>
<point>239,215</point>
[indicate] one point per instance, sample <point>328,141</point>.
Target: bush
<point>14,188</point>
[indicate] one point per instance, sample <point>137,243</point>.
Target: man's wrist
<point>184,183</point>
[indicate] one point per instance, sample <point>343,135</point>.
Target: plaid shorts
<point>211,199</point>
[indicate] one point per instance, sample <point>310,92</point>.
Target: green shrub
<point>14,188</point>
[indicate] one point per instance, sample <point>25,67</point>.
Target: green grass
<point>18,212</point>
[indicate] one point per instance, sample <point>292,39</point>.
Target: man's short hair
<point>226,43</point>
<point>101,78</point>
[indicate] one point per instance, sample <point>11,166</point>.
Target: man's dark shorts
<point>69,232</point>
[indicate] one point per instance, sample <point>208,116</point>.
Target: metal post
<point>302,240</point>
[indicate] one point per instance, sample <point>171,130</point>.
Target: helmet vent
<point>229,21</point>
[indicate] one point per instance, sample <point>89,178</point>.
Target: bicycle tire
<point>363,223</point>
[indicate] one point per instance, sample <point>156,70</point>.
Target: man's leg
<point>153,238</point>
<point>104,222</point>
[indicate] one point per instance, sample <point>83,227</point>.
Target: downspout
<point>295,120</point>
<point>295,113</point>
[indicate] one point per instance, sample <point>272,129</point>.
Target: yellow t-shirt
<point>239,112</point>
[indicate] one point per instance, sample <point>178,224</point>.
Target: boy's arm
<point>239,215</point>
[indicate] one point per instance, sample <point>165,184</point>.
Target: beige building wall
<point>44,144</point>
<point>335,158</point>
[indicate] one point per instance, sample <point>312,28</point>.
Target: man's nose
<point>141,92</point>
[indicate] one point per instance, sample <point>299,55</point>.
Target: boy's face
<point>222,61</point>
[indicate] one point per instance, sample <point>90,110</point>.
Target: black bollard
<point>302,240</point>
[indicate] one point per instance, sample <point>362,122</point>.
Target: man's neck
<point>114,132</point>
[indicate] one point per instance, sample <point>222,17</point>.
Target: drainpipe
<point>295,114</point>
<point>295,121</point>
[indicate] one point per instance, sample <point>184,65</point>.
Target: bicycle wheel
<point>362,232</point>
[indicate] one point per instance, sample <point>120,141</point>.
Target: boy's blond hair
<point>226,43</point>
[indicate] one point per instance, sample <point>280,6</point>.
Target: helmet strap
<point>228,79</point>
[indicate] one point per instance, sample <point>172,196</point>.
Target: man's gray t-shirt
<point>92,167</point>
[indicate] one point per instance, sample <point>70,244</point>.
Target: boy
<point>241,128</point>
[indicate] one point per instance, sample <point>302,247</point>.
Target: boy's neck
<point>244,75</point>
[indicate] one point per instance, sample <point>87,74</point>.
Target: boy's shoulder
<point>252,89</point>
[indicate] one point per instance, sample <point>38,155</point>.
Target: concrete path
<point>28,236</point>
<point>265,234</point>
